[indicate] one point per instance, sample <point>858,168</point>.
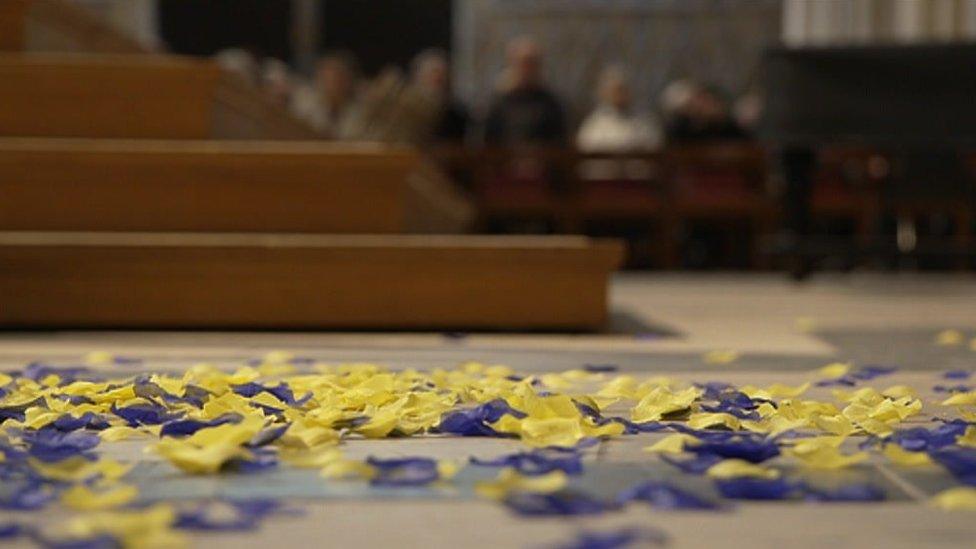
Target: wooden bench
<point>59,26</point>
<point>222,186</point>
<point>185,280</point>
<point>134,96</point>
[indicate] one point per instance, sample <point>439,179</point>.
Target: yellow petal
<point>509,480</point>
<point>314,458</point>
<point>660,401</point>
<point>734,468</point>
<point>710,420</point>
<point>672,444</point>
<point>961,399</point>
<point>948,338</point>
<point>77,469</point>
<point>775,391</point>
<point>149,527</point>
<point>82,498</point>
<point>117,433</point>
<point>834,370</point>
<point>956,499</point>
<point>720,356</point>
<point>557,431</point>
<point>899,456</point>
<point>347,469</point>
<point>824,453</point>
<point>899,391</point>
<point>968,438</point>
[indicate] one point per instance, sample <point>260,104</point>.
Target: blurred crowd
<point>418,106</point>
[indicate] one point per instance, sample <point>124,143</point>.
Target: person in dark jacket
<point>524,110</point>
<point>430,76</point>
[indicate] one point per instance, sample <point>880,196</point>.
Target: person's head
<point>276,81</point>
<point>707,103</point>
<point>676,96</point>
<point>238,61</point>
<point>613,88</point>
<point>524,62</point>
<point>429,72</point>
<point>336,75</point>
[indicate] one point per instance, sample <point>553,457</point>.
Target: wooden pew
<point>134,96</point>
<point>303,281</point>
<point>223,186</point>
<point>59,26</point>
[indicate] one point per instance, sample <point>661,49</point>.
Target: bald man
<point>524,110</point>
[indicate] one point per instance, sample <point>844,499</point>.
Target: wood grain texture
<point>106,96</point>
<point>139,185</point>
<point>13,16</point>
<point>303,281</point>
<point>134,96</point>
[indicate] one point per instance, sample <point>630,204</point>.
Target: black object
<point>915,103</point>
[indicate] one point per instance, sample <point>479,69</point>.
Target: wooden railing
<point>735,184</point>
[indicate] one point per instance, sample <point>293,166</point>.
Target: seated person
<point>430,77</point>
<point>703,117</point>
<point>614,126</point>
<point>332,103</point>
<point>524,111</point>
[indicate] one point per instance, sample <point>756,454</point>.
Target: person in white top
<point>614,126</point>
<point>332,103</point>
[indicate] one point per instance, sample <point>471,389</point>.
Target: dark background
<point>391,31</point>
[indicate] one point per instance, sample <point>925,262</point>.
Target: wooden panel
<point>65,26</point>
<point>111,185</point>
<point>291,281</point>
<point>106,96</point>
<point>13,14</point>
<point>241,111</point>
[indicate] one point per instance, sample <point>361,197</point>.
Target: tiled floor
<point>780,330</point>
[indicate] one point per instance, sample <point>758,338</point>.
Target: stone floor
<point>780,332</point>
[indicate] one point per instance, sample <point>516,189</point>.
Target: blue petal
<point>562,503</point>
<point>536,462</point>
<point>957,374</point>
<point>226,516</point>
<point>952,388</point>
<point>919,439</point>
<point>16,412</point>
<point>755,488</point>
<point>184,427</point>
<point>401,472</point>
<point>696,465</point>
<point>10,530</point>
<point>600,368</point>
<point>712,389</point>
<point>28,496</point>
<point>144,414</point>
<point>871,371</point>
<point>617,539</point>
<point>36,371</point>
<point>268,435</point>
<point>476,421</point>
<point>850,492</point>
<point>281,391</point>
<point>51,445</point>
<point>751,449</point>
<point>104,541</point>
<point>261,460</point>
<point>961,462</point>
<point>662,495</point>
<point>88,420</point>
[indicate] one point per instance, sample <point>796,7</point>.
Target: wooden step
<point>134,96</point>
<point>222,186</point>
<point>155,280</point>
<point>59,26</point>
